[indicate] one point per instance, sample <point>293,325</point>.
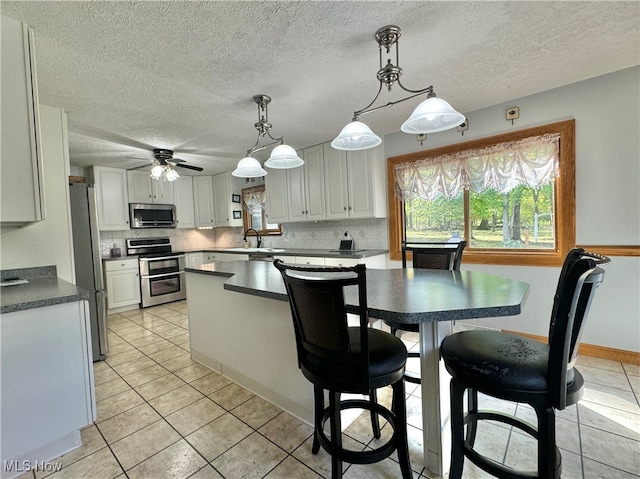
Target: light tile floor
<point>162,415</point>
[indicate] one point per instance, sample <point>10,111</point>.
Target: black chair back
<point>579,278</point>
<point>326,345</point>
<point>434,255</point>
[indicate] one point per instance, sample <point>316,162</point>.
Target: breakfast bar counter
<point>240,325</point>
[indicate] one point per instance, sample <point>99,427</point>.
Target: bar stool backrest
<point>324,343</point>
<point>579,278</point>
<point>434,255</point>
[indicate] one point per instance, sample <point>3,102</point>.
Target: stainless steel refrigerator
<point>88,263</point>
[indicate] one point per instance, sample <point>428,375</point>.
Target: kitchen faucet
<point>258,237</point>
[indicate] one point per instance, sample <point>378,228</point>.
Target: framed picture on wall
<point>237,215</point>
<point>235,198</point>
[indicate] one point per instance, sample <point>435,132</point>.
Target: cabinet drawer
<point>343,262</point>
<point>120,265</point>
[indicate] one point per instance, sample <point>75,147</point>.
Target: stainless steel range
<point>161,270</point>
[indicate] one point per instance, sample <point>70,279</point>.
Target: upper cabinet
<point>144,189</point>
<point>306,190</point>
<point>355,183</point>
<point>276,190</point>
<point>227,199</point>
<point>112,198</point>
<point>203,201</point>
<point>22,184</point>
<point>183,192</point>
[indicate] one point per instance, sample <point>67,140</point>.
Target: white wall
<point>47,242</point>
<point>607,114</point>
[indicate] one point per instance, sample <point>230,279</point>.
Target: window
<point>511,196</point>
<point>255,212</point>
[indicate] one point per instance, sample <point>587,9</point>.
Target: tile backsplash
<point>366,233</point>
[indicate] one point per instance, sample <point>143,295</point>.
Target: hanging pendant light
<point>431,116</point>
<point>249,167</point>
<point>356,136</point>
<point>282,157</point>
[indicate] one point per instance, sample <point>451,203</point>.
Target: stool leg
<point>375,423</point>
<point>399,410</point>
<point>318,395</point>
<point>472,408</point>
<point>336,435</point>
<point>547,443</point>
<point>457,429</point>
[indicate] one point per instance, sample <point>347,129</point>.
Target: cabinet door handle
<point>345,208</point>
<point>349,208</point>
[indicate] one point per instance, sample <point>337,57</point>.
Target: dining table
<point>434,299</point>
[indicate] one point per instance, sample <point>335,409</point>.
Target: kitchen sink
<point>255,250</point>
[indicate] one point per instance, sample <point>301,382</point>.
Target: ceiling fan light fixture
<point>170,174</point>
<point>283,157</point>
<point>157,171</point>
<point>431,116</point>
<point>356,136</point>
<point>249,167</point>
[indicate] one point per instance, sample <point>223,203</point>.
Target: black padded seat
<point>339,358</point>
<point>428,256</point>
<point>522,370</point>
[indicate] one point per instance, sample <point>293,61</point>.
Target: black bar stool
<point>430,256</point>
<point>519,369</point>
<point>338,358</point>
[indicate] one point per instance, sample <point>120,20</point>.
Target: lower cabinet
<point>122,279</point>
<point>48,392</point>
<point>378,261</point>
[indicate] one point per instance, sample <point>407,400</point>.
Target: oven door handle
<point>156,258</point>
<point>154,276</point>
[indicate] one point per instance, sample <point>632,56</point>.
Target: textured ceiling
<point>134,76</point>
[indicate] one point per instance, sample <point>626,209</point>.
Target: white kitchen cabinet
<point>216,257</point>
<point>122,279</point>
<point>305,187</point>
<point>21,182</point>
<point>144,189</point>
<point>224,186</point>
<point>314,186</point>
<point>183,192</point>
<point>194,259</point>
<point>355,183</point>
<point>112,198</point>
<point>276,190</point>
<point>203,201</point>
<point>47,381</point>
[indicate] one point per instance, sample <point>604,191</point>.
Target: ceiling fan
<point>164,162</point>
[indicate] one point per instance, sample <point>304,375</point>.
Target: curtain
<point>254,199</point>
<point>532,161</point>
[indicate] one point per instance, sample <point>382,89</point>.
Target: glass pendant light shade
<point>356,136</point>
<point>171,175</point>
<point>156,172</point>
<point>283,157</point>
<point>249,168</point>
<point>431,116</point>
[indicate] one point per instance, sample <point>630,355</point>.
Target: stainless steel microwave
<point>147,215</point>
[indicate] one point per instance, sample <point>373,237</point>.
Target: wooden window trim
<point>565,203</point>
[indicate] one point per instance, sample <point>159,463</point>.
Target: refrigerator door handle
<point>101,295</point>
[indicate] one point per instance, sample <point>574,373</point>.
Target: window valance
<point>532,161</point>
<point>254,199</point>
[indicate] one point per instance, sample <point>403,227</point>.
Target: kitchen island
<point>240,325</point>
<point>47,374</point>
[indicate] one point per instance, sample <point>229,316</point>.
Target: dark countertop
<point>39,292</point>
<point>325,253</point>
<point>403,295</point>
